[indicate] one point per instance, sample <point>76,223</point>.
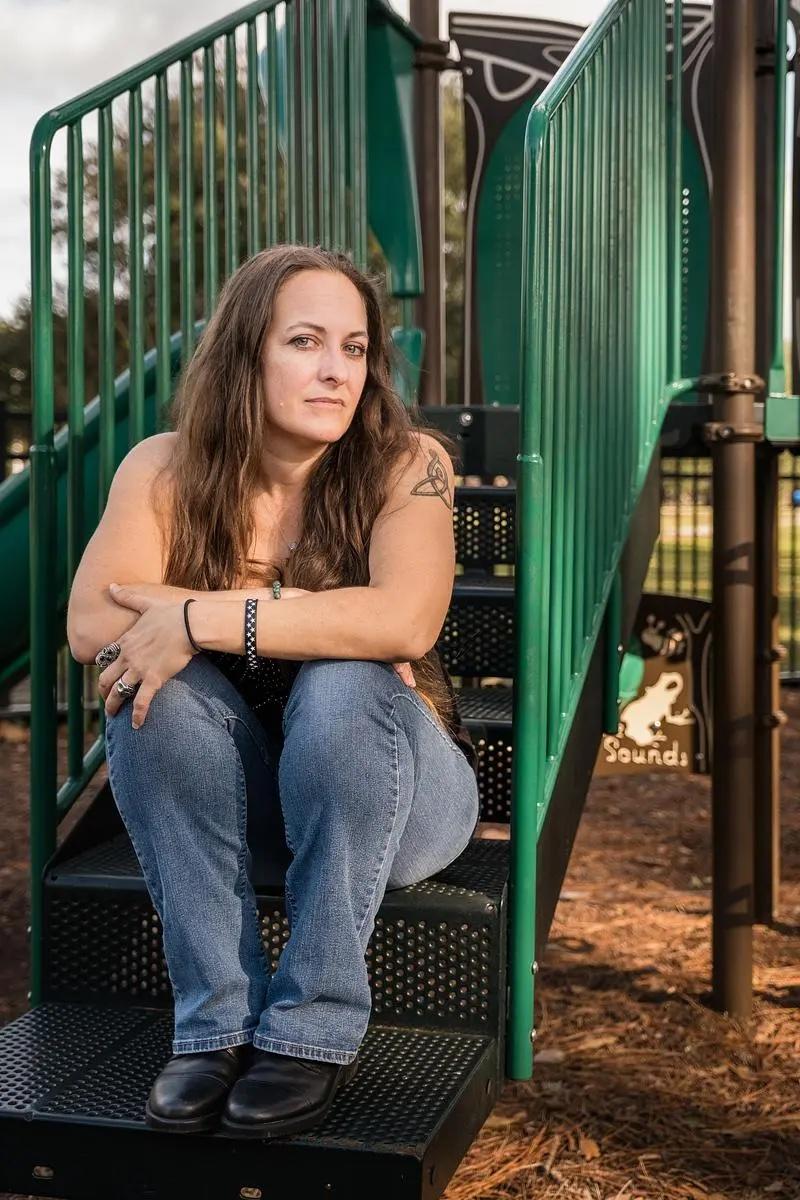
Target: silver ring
<point>108,655</point>
<point>276,589</point>
<point>128,690</point>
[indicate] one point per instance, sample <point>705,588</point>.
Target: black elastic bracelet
<point>192,642</point>
<point>250,609</point>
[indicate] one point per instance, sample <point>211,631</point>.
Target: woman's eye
<point>302,337</point>
<point>360,350</point>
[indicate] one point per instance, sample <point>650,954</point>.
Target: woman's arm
<point>126,545</point>
<point>400,614</point>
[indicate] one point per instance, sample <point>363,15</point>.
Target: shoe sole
<point>202,1124</point>
<point>305,1120</point>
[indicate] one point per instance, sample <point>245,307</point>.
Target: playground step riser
<point>484,525</point>
<point>435,953</point>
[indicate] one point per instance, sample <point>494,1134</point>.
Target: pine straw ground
<point>640,1090</point>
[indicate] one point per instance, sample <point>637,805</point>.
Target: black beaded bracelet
<point>192,642</point>
<point>250,610</point>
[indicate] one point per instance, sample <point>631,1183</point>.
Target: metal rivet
<point>247,1193</point>
<point>465,418</point>
<point>43,1173</point>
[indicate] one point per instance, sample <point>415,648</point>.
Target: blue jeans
<point>363,792</point>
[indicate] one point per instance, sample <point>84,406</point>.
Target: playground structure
<point>452,961</point>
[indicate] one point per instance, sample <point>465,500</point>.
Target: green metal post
<point>210,221</point>
<point>251,137</point>
<point>43,548</point>
<point>163,290</point>
<point>76,398</point>
<point>136,430</point>
<point>231,180</point>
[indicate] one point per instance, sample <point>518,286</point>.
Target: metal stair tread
<point>479,704</point>
<point>480,872</point>
<point>474,584</point>
<point>83,1065</point>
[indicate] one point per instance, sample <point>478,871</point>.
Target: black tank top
<point>266,692</point>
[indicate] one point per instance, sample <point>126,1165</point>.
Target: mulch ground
<point>641,1090</point>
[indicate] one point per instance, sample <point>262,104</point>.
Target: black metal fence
<point>681,561</point>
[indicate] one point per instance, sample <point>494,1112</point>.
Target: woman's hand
<point>403,669</point>
<point>151,652</point>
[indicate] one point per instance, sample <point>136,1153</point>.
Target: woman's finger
<point>116,698</point>
<point>141,703</point>
<point>406,674</point>
<point>110,674</point>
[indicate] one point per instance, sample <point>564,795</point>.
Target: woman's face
<point>315,356</point>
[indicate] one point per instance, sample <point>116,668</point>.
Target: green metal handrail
<point>596,304</point>
<point>312,191</point>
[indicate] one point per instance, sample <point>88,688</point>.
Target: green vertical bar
<point>105,182</point>
<point>305,34</point>
<point>273,88</point>
<point>231,188</point>
<point>186,187</point>
<point>583,292</point>
<point>338,120</point>
<point>556,543</point>
<point>532,599</point>
<point>593,198</point>
<point>210,223</point>
<point>325,128</point>
<point>162,281</point>
<point>777,371</point>
<point>136,430</point>
<point>570,395</point>
<point>612,662</point>
<point>76,398</point>
<point>358,113</point>
<point>290,109</point>
<point>42,533</point>
<point>604,166</point>
<point>251,135</point>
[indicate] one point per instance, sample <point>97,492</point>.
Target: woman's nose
<point>333,366</point>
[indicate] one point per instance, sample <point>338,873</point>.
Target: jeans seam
<point>373,886</point>
<point>248,895</point>
<point>421,708</point>
<point>295,1049</point>
<point>197,1044</point>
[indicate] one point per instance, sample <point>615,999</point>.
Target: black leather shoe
<point>280,1094</point>
<point>188,1095</point>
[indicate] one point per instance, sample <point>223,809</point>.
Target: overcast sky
<point>51,50</point>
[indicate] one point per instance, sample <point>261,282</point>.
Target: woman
<point>321,733</point>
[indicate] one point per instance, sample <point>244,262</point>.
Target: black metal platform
<point>398,1129</point>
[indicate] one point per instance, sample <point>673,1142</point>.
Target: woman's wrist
<point>210,619</point>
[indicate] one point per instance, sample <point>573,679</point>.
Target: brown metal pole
<point>733,609</point>
<point>424,16</point>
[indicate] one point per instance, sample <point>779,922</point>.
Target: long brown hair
<point>219,415</point>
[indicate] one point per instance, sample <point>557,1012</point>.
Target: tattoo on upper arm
<point>435,482</point>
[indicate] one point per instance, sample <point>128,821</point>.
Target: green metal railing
<point>164,241</point>
<point>596,306</point>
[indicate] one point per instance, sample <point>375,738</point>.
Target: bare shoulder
<point>425,471</point>
<point>431,468</point>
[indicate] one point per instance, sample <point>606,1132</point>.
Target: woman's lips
<point>326,403</point>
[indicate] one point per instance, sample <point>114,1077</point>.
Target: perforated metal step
<point>74,1080</point>
<point>477,637</point>
<point>433,961</point>
<point>484,526</point>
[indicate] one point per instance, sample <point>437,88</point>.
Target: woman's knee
<point>185,731</point>
<point>328,692</point>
